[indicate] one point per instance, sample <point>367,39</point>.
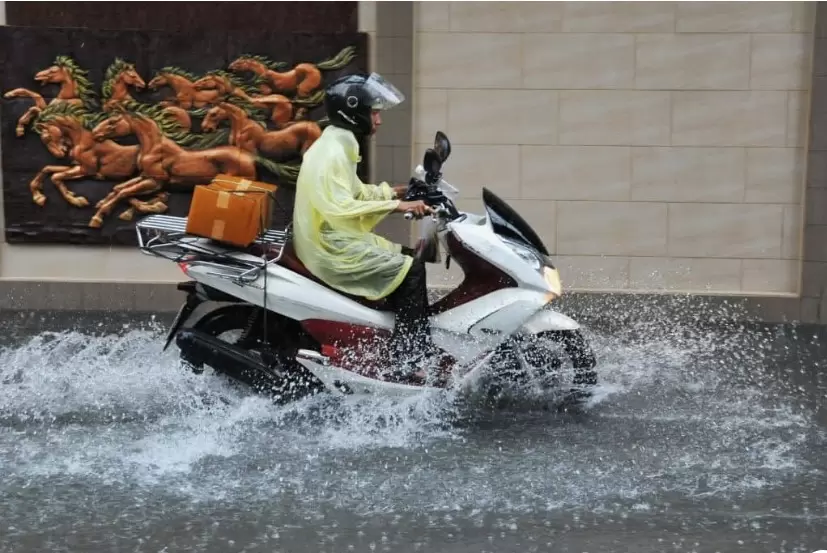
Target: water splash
<point>687,412</point>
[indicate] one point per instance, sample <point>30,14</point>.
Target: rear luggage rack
<point>166,236</point>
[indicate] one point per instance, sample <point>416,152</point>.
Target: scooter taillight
<point>330,351</point>
<point>185,264</point>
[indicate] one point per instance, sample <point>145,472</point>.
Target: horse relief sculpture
<point>250,135</point>
<point>242,120</point>
<point>75,89</point>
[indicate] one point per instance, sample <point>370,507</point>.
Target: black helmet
<point>350,100</point>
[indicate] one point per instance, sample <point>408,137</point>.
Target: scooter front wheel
<point>579,352</point>
<point>552,361</point>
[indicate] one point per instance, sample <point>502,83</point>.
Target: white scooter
<point>296,336</point>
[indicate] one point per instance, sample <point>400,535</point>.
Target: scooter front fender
<point>547,320</point>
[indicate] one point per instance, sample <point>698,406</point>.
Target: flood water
<point>698,440</point>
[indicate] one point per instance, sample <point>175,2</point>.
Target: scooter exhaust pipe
<point>199,349</point>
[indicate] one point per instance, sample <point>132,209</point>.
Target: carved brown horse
<point>282,110</point>
<point>63,129</point>
<point>301,81</point>
<point>250,135</point>
<point>119,78</point>
<point>75,89</point>
<point>163,163</point>
<point>186,95</point>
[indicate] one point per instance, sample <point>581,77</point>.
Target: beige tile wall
<point>654,145</point>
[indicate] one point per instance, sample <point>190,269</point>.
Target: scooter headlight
<point>552,278</point>
<point>542,264</point>
<point>526,254</point>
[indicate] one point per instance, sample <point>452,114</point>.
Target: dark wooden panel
<point>322,17</point>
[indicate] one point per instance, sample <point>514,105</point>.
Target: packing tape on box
<point>245,186</point>
<point>223,201</point>
<point>218,229</point>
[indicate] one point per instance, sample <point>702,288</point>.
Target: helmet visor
<point>382,93</point>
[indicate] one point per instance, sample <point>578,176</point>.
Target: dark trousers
<point>412,331</point>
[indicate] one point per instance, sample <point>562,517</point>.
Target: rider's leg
<point>411,337</point>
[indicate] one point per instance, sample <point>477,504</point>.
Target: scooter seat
<point>291,261</point>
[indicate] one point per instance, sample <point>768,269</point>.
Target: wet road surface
<point>699,440</point>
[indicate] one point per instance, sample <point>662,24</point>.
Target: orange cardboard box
<point>231,210</point>
<point>223,216</point>
<point>262,192</point>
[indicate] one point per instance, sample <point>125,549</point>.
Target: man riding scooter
<point>335,215</point>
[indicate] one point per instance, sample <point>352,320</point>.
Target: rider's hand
<point>418,208</point>
<point>400,190</point>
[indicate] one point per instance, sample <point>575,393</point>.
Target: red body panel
<point>481,278</point>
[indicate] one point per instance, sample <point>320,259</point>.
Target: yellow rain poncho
<point>334,217</point>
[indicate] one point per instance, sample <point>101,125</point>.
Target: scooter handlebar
<point>436,212</point>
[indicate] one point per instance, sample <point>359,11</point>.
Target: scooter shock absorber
<point>252,322</point>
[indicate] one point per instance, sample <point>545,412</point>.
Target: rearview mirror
<point>442,146</point>
<point>432,164</point>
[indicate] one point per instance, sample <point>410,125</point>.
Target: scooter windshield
<point>508,223</point>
